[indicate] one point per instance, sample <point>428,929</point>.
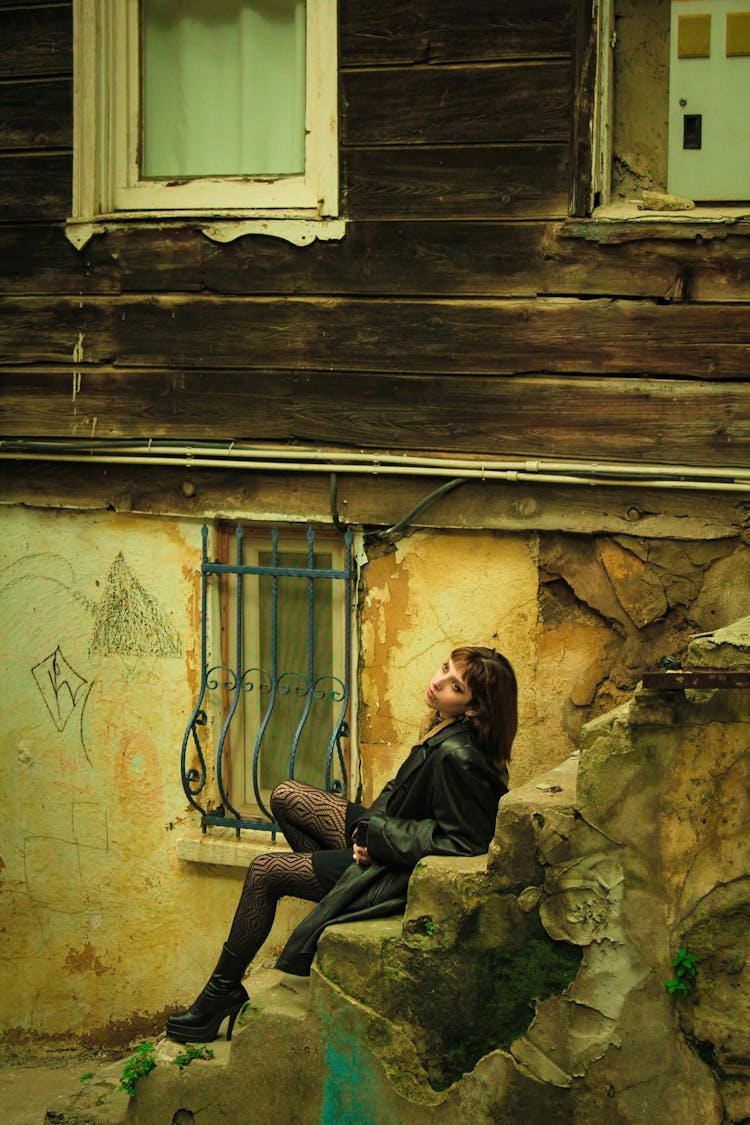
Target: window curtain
<point>222,88</point>
<point>292,644</point>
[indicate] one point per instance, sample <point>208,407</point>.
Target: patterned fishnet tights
<point>312,820</point>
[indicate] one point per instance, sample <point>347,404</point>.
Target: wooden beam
<point>480,182</point>
<point>397,337</point>
<point>36,186</point>
<point>663,422</point>
<point>408,31</point>
<point>489,104</point>
<point>371,501</point>
<point>36,114</point>
<point>676,263</point>
<point>453,258</point>
<point>36,40</point>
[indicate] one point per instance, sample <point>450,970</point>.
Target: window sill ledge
<point>299,231</point>
<point>221,847</point>
<point>627,221</point>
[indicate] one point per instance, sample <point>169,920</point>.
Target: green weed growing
<point>137,1067</point>
<point>685,973</point>
<point>191,1053</point>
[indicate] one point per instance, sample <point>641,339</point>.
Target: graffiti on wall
<point>129,621</point>
<point>62,690</point>
<point>80,754</point>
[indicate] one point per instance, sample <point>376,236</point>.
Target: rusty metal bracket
<point>700,678</point>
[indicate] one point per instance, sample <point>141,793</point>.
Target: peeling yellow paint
<point>434,592</point>
<point>85,960</point>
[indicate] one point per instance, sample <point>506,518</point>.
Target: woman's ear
<point>470,712</point>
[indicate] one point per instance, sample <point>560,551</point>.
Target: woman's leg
<point>268,878</point>
<point>311,819</point>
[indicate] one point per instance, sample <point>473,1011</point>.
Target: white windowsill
<point>632,210</point>
<point>626,220</point>
<point>298,230</point>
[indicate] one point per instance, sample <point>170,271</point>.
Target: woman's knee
<point>281,795</point>
<point>265,870</point>
<point>285,794</point>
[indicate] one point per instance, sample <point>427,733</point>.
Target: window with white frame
<point>205,107</point>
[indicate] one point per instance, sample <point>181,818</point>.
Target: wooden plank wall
<point>462,312</point>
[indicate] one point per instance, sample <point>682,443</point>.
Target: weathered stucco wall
<point>104,926</point>
<point>98,666</point>
<point>581,617</point>
<point>641,96</point>
<point>435,591</point>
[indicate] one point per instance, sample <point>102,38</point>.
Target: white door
<point>709,100</point>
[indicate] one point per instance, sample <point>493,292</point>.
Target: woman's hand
<point>361,856</point>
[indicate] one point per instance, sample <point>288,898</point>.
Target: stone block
<point>724,648</point>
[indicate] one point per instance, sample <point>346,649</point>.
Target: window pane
<point>223,87</point>
<point>292,662</point>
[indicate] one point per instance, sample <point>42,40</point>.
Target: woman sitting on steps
<point>355,862</point>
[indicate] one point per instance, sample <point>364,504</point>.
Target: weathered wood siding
<point>461,312</point>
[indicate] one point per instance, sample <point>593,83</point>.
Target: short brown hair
<point>490,678</point>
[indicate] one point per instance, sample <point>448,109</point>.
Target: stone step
<point>272,1063</point>
<point>320,1049</point>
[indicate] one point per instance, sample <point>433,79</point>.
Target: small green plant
<point>424,925</point>
<point>191,1053</point>
<point>685,973</point>
<point>85,1077</point>
<point>137,1067</point>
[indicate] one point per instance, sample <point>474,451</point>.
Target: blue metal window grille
<point>277,701</point>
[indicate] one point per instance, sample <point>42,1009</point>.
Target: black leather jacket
<point>442,801</point>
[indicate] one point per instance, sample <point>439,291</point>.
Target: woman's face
<point>448,692</point>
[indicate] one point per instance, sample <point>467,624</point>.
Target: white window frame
<point>106,183</point>
<point>601,149</point>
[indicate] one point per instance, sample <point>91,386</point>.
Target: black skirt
<point>330,865</point>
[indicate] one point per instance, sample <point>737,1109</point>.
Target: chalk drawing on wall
<point>128,621</point>
<point>63,871</point>
<point>44,567</point>
<point>60,686</point>
<point>63,691</point>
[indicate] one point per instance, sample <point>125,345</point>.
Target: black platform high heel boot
<point>223,995</point>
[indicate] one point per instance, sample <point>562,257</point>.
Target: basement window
<point>671,108</point>
<point>217,108</point>
<point>275,694</point>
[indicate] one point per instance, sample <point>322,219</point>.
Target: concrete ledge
<point>223,847</point>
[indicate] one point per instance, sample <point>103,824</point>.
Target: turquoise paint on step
<point>350,1089</point>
